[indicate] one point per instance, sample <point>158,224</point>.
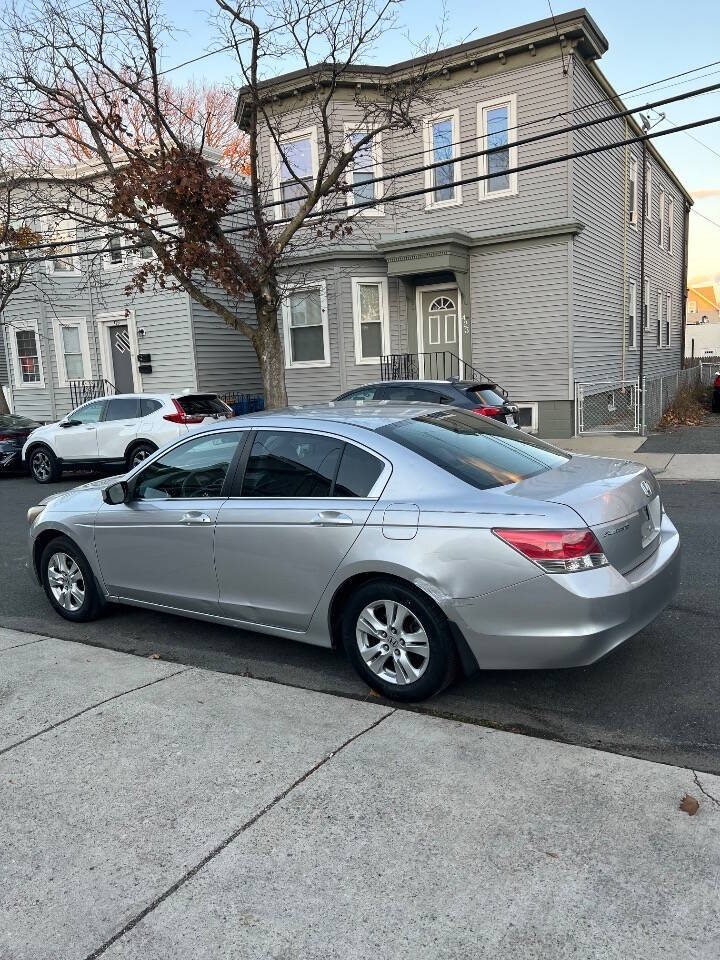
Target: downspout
<point>641,371</point>
<point>686,239</point>
<point>624,253</point>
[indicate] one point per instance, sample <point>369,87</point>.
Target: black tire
<point>440,664</point>
<point>93,603</point>
<point>43,464</point>
<point>138,452</point>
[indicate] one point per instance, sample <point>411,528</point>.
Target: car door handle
<point>332,518</point>
<point>194,516</point>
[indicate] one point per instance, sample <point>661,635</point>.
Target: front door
<point>158,548</point>
<point>302,505</point>
<point>440,321</point>
<point>121,356</point>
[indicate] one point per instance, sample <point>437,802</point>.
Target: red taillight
<point>180,416</point>
<point>557,551</point>
<point>5,436</point>
<point>488,411</point>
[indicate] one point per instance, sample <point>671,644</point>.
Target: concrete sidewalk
<point>668,464</point>
<point>153,811</point>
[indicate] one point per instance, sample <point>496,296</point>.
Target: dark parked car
<point>480,397</point>
<point>716,394</point>
<point>14,431</point>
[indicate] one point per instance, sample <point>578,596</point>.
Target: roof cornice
<point>576,26</point>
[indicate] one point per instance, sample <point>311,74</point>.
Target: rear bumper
<point>11,459</point>
<point>568,620</point>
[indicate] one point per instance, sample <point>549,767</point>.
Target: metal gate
<point>607,406</point>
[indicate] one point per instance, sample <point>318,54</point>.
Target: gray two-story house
<point>532,277</point>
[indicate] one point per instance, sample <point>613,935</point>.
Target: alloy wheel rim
<point>392,642</point>
<point>67,583</point>
<point>41,465</point>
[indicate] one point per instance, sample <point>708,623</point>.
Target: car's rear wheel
<point>140,452</point>
<point>69,581</point>
<point>44,465</point>
<point>398,641</point>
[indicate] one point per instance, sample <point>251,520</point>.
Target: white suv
<point>117,431</point>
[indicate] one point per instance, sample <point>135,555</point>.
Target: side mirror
<point>69,423</point>
<point>116,493</point>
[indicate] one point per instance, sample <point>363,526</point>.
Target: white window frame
<point>531,405</point>
<point>646,304</point>
<point>291,364</point>
<point>430,202</point>
<point>382,283</point>
<point>277,161</point>
<point>661,218</point>
<point>659,310</point>
<point>124,254</point>
<point>647,199</point>
<point>81,323</point>
<point>668,319</point>
<point>632,315</point>
<point>482,108</point>
<point>377,171</point>
<point>58,234</point>
<point>634,167</point>
<point>671,226</point>
<point>17,327</point>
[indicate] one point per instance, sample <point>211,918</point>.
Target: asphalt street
<point>656,697</point>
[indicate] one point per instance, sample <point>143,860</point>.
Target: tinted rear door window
<point>407,394</point>
<point>124,408</point>
<point>474,449</point>
<point>285,463</point>
<point>357,474</point>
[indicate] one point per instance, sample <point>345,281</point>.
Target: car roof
<point>372,414</point>
<point>463,384</point>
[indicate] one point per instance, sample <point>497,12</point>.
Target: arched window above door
<point>441,303</point>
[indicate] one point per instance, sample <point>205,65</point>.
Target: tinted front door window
<point>289,464</point>
<point>195,469</point>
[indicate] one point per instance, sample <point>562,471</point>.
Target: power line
<point>709,219</point>
<point>410,171</point>
<point>313,215</point>
<point>696,139</point>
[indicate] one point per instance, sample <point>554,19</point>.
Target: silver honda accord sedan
<point>422,539</point>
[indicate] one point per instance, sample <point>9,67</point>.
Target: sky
<point>648,40</point>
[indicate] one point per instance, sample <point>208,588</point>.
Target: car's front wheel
<point>398,641</point>
<point>44,465</point>
<point>69,581</point>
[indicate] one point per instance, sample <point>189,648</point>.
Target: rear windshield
<point>206,405</point>
<point>474,449</point>
<point>485,396</point>
<point>12,421</point>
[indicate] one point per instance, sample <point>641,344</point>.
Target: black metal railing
<point>83,390</point>
<point>243,402</point>
<point>436,365</point>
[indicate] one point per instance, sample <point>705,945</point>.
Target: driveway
<point>656,697</point>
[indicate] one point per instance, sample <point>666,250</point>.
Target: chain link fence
<point>607,406</point>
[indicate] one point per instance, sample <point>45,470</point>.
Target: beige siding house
<point>532,278</point>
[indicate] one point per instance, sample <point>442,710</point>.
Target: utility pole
<point>643,305</point>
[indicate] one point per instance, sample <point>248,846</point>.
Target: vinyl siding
<point>225,358</point>
<point>520,296</point>
<point>598,262</point>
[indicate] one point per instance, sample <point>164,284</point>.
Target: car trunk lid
<point>619,500</point>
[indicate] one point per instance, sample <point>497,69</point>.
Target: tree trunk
<point>3,402</point>
<point>270,354</point>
